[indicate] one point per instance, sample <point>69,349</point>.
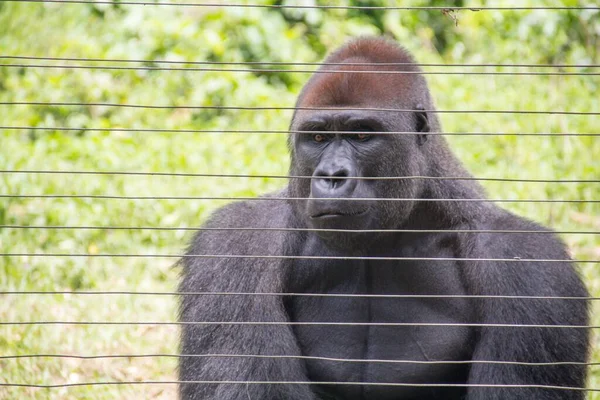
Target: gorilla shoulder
<point>537,241</point>
<point>257,213</point>
<point>530,242</point>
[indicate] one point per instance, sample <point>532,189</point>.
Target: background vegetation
<point>190,34</point>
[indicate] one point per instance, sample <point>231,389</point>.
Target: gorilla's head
<point>360,116</point>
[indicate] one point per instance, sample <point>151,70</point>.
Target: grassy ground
<point>491,156</point>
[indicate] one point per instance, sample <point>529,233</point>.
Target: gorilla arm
<point>519,344</point>
<point>239,275</point>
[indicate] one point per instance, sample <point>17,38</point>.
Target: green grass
<point>112,36</point>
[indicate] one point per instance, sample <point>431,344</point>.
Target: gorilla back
<point>383,288</point>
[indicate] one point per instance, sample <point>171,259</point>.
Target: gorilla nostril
<point>337,179</point>
<point>342,173</point>
<point>333,179</point>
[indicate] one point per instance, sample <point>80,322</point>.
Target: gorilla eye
<point>319,138</point>
<point>363,137</point>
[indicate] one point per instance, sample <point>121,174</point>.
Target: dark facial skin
<point>333,156</point>
<point>344,144</point>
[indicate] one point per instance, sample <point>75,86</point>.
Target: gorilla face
<point>338,149</point>
<point>343,130</point>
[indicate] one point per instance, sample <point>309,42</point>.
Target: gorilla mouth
<point>328,214</point>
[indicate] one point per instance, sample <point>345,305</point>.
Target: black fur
<point>329,158</point>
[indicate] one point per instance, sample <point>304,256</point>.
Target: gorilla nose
<point>332,182</point>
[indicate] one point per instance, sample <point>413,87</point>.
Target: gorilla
<point>372,275</point>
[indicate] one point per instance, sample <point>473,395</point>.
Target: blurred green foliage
<point>221,34</point>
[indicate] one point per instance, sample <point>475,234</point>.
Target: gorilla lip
<point>333,214</point>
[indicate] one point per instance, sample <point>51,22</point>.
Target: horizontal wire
<point>284,257</point>
<point>289,63</point>
<point>392,199</point>
<point>270,229</point>
<point>265,132</point>
<point>299,71</point>
<point>311,6</point>
<point>300,357</point>
<point>297,323</point>
<point>382,384</point>
<point>310,383</point>
<point>290,294</point>
<point>269,108</point>
<point>361,178</point>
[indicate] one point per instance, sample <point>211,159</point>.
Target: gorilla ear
<point>422,124</point>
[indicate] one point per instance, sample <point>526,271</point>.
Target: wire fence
<point>115,66</point>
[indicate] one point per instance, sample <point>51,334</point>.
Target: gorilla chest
<point>382,329</point>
